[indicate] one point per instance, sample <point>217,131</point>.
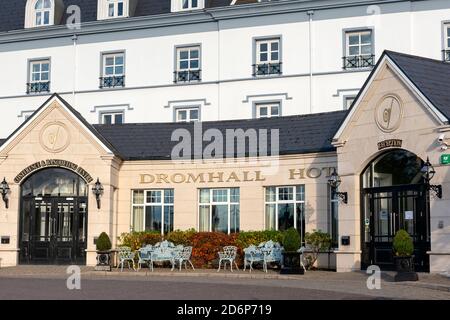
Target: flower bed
<point>205,245</point>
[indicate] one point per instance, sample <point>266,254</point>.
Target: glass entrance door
<point>53,230</point>
<point>387,210</point>
<point>53,218</point>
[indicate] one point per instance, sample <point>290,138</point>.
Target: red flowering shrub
<point>206,245</point>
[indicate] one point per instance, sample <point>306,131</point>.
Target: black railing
<point>187,75</point>
<point>112,82</point>
<point>38,87</point>
<point>446,55</point>
<point>358,62</point>
<point>264,69</point>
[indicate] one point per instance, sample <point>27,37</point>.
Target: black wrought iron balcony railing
<point>359,62</point>
<point>446,55</point>
<point>38,87</point>
<point>264,69</point>
<point>187,75</point>
<point>112,82</point>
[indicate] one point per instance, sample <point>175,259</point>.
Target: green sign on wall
<point>445,159</point>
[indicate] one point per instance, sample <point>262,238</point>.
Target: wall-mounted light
<point>428,173</point>
<point>4,189</point>
<point>334,181</point>
<point>441,140</point>
<point>97,190</point>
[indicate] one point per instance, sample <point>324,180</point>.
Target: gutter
<point>183,18</point>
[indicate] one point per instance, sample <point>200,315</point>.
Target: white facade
<point>312,46</point>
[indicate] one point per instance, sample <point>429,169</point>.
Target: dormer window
<point>115,8</point>
<point>189,4</point>
<point>42,12</point>
<point>186,5</point>
<point>110,9</point>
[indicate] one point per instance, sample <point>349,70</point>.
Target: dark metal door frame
<point>56,244</point>
<point>421,226</point>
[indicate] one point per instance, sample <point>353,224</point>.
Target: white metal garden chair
<point>125,255</point>
<point>228,255</point>
<point>144,255</point>
<point>252,255</point>
<point>184,255</point>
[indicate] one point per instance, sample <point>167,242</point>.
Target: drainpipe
<point>75,58</point>
<point>310,16</point>
<point>218,60</point>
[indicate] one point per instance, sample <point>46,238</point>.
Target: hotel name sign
<point>53,163</point>
<point>391,143</point>
<point>233,176</point>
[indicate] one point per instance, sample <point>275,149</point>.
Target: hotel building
<point>109,102</point>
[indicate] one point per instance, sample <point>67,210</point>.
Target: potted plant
<point>291,256</point>
<point>103,245</point>
<point>317,242</point>
<point>403,247</point>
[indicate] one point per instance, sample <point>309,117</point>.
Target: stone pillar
<point>348,258</point>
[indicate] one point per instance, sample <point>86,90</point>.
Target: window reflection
<point>398,167</point>
<point>54,182</point>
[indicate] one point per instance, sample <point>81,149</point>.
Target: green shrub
<point>181,237</point>
<point>137,240</point>
<point>205,245</point>
<point>291,240</point>
<point>403,244</point>
<point>103,242</point>
<point>248,238</point>
<point>317,241</point>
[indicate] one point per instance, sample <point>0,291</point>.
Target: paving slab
<point>430,286</point>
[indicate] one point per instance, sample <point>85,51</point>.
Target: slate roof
<point>152,141</point>
<point>12,13</point>
<point>430,76</point>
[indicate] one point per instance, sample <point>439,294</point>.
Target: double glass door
<point>53,230</point>
<point>387,210</point>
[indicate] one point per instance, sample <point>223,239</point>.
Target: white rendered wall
<point>228,90</point>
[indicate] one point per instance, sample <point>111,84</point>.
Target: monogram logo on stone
<point>55,137</point>
<point>389,113</point>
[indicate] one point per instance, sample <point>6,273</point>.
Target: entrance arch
<point>394,197</point>
<point>53,218</point>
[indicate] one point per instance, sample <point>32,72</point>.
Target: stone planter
<point>405,269</point>
<point>103,261</point>
<point>291,263</point>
